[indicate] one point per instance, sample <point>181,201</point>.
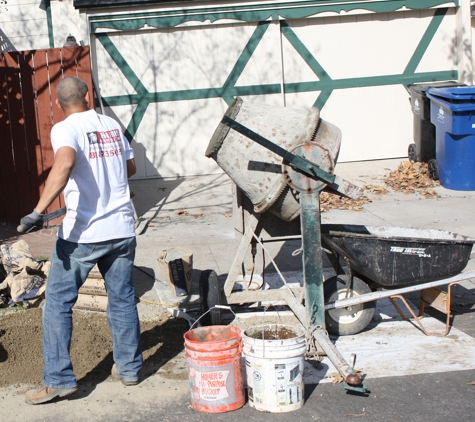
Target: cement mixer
<point>282,158</point>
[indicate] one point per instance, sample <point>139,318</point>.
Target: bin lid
<point>454,94</point>
<point>421,88</point>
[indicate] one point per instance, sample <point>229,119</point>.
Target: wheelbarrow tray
<point>396,257</point>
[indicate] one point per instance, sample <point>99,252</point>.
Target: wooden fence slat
<point>62,64</point>
<point>5,131</point>
<point>13,97</point>
<point>69,57</point>
<point>27,114</point>
<point>83,61</point>
<point>31,127</point>
<point>56,67</point>
<point>55,73</point>
<point>21,180</point>
<point>43,61</point>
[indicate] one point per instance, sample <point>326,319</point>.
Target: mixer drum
<point>259,172</point>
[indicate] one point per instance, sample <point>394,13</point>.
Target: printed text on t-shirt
<point>100,144</point>
<point>105,153</point>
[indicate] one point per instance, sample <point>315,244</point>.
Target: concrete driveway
<point>411,377</point>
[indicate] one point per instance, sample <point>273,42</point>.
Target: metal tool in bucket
<point>215,368</point>
<point>300,160</point>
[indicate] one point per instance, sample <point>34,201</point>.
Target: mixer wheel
<point>211,295</point>
<point>352,319</point>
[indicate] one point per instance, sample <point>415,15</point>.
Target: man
<point>92,163</point>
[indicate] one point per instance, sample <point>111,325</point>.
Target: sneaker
<point>127,382</point>
<point>44,394</point>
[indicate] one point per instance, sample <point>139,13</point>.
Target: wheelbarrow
<point>287,178</point>
<point>397,260</point>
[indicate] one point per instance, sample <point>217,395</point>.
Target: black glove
<point>30,222</point>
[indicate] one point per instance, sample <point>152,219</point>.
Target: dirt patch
<point>21,356</point>
<point>275,332</point>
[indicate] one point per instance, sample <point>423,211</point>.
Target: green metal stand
<point>312,258</point>
<point>309,179</point>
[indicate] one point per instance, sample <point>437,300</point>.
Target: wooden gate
<point>28,111</point>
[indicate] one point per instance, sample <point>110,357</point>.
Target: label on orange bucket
<point>212,384</point>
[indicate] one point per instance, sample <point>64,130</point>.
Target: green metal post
<point>49,21</point>
<point>312,258</point>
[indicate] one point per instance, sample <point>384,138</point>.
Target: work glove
<point>30,222</point>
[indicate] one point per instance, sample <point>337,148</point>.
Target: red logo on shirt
<point>105,137</point>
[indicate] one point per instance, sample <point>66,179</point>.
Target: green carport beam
<point>142,93</point>
<point>136,119</point>
<point>122,64</point>
<point>324,86</point>
<point>243,60</point>
<point>425,40</point>
<point>369,81</point>
<point>303,51</point>
<point>322,98</point>
<point>192,94</point>
<point>49,21</point>
<point>310,60</point>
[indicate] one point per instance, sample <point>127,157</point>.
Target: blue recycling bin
<point>452,111</point>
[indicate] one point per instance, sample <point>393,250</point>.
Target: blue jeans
<point>70,266</point>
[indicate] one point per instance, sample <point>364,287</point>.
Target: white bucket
<point>274,367</point>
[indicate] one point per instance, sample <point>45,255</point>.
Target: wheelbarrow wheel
<point>352,319</point>
<point>210,293</point>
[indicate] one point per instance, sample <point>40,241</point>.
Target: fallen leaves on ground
<point>329,201</point>
<point>182,212</point>
<point>337,378</point>
<point>378,190</point>
<point>411,177</point>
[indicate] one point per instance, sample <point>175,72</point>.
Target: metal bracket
<point>362,389</point>
<point>336,183</point>
<point>435,298</point>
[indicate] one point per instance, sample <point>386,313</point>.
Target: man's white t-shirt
<point>97,194</point>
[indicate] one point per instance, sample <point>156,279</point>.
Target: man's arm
<point>131,167</point>
<point>64,161</point>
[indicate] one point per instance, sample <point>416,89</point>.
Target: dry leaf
<point>337,378</point>
<point>412,177</point>
<point>329,201</point>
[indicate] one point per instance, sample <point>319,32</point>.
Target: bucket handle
<point>215,306</point>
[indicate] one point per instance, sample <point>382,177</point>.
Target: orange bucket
<point>215,368</point>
